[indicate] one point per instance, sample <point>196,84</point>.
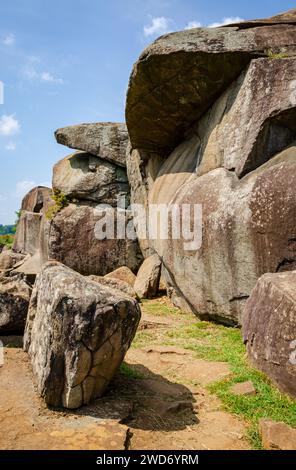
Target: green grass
<point>158,309</point>
<point>219,343</point>
<point>129,372</point>
<point>214,342</point>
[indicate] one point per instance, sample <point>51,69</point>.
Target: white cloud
<point>8,125</point>
<point>193,24</point>
<point>47,77</point>
<point>11,146</point>
<point>31,74</point>
<point>9,40</point>
<point>23,187</point>
<point>226,21</point>
<point>157,26</point>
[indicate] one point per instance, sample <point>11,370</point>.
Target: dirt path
<point>159,401</point>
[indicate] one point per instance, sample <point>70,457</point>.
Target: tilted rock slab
<point>86,177</point>
<point>123,274</point>
<point>269,328</point>
<point>106,140</point>
<point>148,277</point>
<point>77,335</point>
<point>27,235</point>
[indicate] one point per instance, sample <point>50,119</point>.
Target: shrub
<point>61,201</point>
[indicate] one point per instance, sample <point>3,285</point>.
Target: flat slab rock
<point>77,335</point>
<point>107,140</point>
<point>277,436</point>
<point>244,388</point>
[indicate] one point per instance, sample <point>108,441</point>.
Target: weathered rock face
<point>77,335</point>
<point>147,282</point>
<point>123,274</point>
<point>180,76</point>
<point>106,140</point>
<point>115,284</point>
<point>269,328</point>
<point>8,259</point>
<point>27,234</point>
<point>229,148</point>
<point>277,436</point>
<point>253,120</point>
<point>72,239</point>
<point>29,229</point>
<point>14,303</point>
<point>37,199</point>
<point>86,177</point>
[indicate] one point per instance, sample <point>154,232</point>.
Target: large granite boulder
<point>72,237</point>
<point>107,140</point>
<point>180,75</point>
<point>225,143</point>
<point>77,335</point>
<point>86,177</point>
<point>15,295</point>
<point>269,328</point>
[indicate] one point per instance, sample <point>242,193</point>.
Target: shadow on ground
<point>147,403</point>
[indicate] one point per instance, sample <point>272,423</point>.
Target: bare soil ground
<point>159,401</point>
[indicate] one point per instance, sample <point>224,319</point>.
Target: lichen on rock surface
<point>77,334</point>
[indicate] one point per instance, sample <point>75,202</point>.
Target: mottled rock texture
<point>72,238</point>
<point>269,328</point>
<point>107,140</point>
<point>217,129</point>
<point>114,283</point>
<point>8,259</point>
<point>14,302</point>
<point>37,199</point>
<point>77,335</point>
<point>180,75</point>
<point>86,177</point>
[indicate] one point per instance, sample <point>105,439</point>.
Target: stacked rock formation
<point>211,117</point>
<point>211,123</point>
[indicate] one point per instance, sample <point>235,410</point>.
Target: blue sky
<point>68,61</point>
